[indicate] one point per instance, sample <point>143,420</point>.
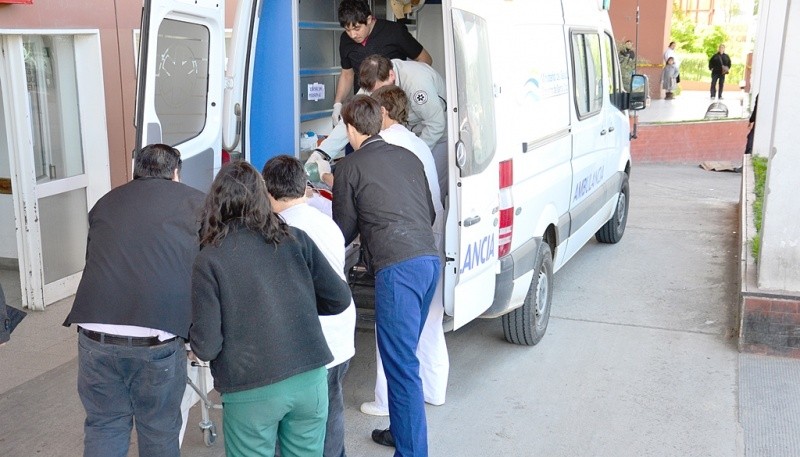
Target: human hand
<point>324,167</point>
<point>337,112</point>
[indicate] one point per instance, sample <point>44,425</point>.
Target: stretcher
<point>200,371</point>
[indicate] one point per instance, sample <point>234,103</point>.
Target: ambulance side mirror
<point>638,93</point>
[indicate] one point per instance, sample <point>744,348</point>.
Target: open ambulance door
<point>471,241</point>
<point>180,83</point>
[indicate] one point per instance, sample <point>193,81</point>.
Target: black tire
<point>611,232</point>
<point>527,324</point>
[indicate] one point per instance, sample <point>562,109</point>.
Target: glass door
<point>53,129</point>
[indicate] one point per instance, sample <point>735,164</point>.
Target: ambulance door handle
<point>611,129</point>
<point>471,221</point>
<point>602,132</point>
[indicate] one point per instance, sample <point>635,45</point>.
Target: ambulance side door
<point>471,245</point>
<point>179,92</point>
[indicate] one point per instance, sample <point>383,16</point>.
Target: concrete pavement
<point>691,105</point>
<point>639,358</point>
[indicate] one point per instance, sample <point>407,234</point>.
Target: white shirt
<point>671,53</point>
<point>127,330</point>
<point>398,135</point>
<point>339,329</point>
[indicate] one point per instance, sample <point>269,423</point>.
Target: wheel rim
<point>621,209</point>
<point>542,289</point>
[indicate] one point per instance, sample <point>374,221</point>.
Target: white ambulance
<point>538,125</point>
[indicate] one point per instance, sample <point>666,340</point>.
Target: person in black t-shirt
<point>363,36</point>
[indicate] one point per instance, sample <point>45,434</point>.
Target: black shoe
<point>383,437</point>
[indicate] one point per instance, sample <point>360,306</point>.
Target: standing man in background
<point>133,308</point>
<point>720,65</point>
<point>627,50</point>
<point>365,35</point>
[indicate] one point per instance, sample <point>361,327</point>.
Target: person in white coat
<point>286,183</point>
<point>425,90</point>
<point>432,349</point>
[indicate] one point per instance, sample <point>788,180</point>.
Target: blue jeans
<point>714,78</point>
<point>403,294</point>
<point>118,383</point>
<point>334,428</point>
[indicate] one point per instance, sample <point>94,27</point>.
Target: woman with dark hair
<point>258,287</point>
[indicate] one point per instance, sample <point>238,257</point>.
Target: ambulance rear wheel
<point>527,324</point>
<point>613,230</point>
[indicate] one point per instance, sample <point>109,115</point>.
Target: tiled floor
<point>39,344</point>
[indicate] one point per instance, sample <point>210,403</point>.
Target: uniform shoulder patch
<point>420,97</point>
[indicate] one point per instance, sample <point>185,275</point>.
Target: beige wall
<point>116,21</point>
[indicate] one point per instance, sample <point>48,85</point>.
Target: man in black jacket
<point>720,65</point>
<point>380,192</point>
<point>133,308</point>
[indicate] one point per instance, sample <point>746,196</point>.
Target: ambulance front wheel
<point>527,324</point>
<point>613,230</point>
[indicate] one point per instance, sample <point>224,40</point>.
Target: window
<point>588,73</point>
<point>476,122</point>
<point>53,99</point>
<point>612,65</point>
<point>181,79</point>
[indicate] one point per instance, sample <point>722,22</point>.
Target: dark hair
<point>156,161</point>
<point>395,101</point>
<point>364,113</point>
<point>353,12</point>
<point>285,177</point>
<point>373,69</point>
<point>238,197</point>
<point>671,43</point>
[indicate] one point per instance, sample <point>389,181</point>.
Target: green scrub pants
<point>294,410</point>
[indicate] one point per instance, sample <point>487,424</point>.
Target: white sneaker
<point>434,402</point>
<point>372,408</point>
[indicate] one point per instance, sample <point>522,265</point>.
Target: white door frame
<point>94,142</point>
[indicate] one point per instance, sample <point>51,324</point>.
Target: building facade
<point>67,102</point>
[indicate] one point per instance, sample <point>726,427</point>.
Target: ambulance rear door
<point>473,219</point>
<point>180,83</point>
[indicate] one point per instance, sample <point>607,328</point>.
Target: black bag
<point>748,149</point>
<point>678,79</point>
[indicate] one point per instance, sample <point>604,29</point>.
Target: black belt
<point>119,340</point>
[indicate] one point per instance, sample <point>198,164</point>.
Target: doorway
<point>54,160</point>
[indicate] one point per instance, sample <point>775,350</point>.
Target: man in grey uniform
<point>425,90</point>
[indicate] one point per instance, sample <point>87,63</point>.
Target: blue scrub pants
<point>403,294</point>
